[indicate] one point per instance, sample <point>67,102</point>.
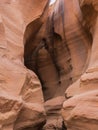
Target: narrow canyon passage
<point>48,64</point>
<point>57,61</point>
<point>57,56</point>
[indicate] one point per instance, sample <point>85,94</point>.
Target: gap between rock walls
<point>58,51</point>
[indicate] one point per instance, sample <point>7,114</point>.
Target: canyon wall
<point>21,97</point>
<point>80,111</point>
<point>48,62</point>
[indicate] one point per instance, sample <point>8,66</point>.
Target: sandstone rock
<point>58,46</point>
<point>73,89</point>
<point>9,109</point>
<point>53,111</point>
<point>32,116</point>
<point>20,88</point>
<point>80,112</point>
<point>88,80</point>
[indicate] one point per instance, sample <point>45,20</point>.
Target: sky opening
<point>52,2</point>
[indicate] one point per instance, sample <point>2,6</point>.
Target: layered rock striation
<point>48,55</point>
<point>57,47</point>
<point>80,112</point>
<point>21,97</point>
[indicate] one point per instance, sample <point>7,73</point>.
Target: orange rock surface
<point>21,98</point>
<point>48,62</point>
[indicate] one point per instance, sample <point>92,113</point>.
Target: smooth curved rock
<point>80,111</point>
<point>47,52</point>
<point>20,89</point>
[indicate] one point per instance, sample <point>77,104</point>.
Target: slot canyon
<point>48,64</point>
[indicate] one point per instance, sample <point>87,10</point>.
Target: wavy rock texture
<point>56,47</point>
<point>80,112</point>
<point>64,50</point>
<point>59,52</point>
<point>46,53</point>
<point>19,109</point>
